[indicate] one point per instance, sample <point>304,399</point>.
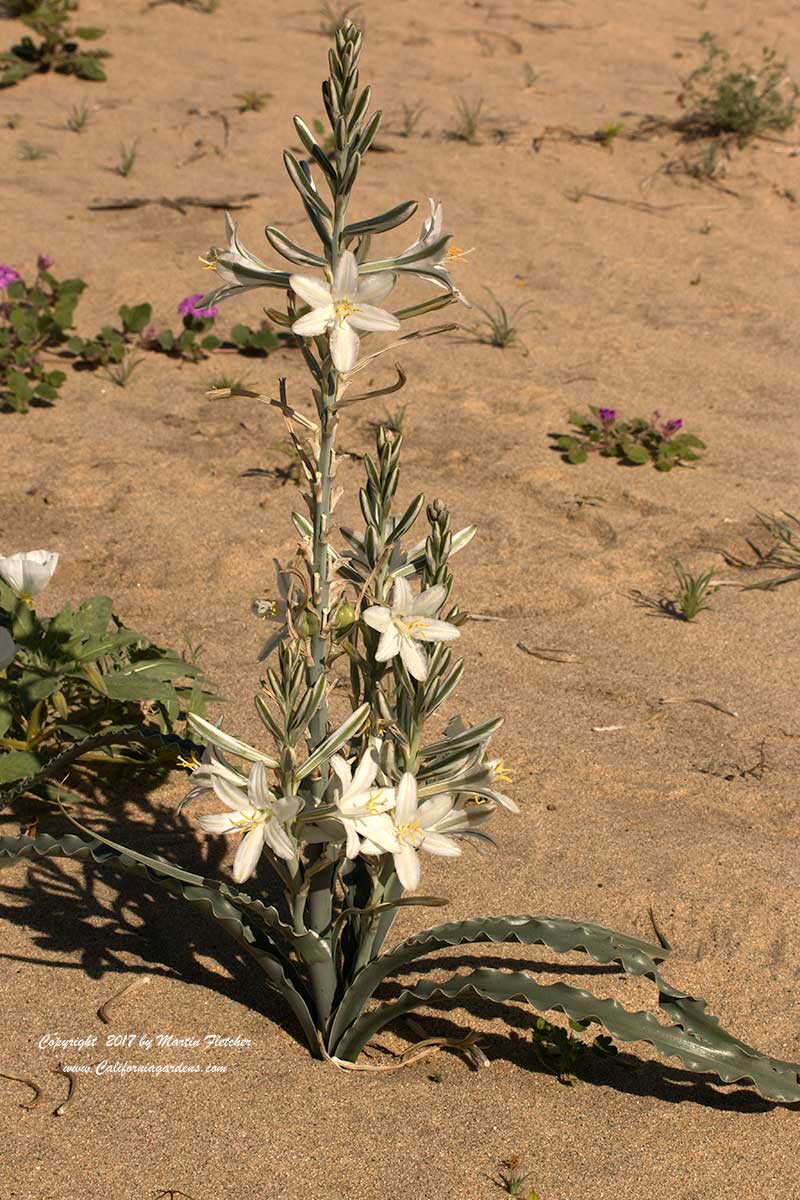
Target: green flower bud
<point>345,617</point>
<point>307,624</point>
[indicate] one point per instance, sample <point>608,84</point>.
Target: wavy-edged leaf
<point>701,1045</point>
<point>604,945</point>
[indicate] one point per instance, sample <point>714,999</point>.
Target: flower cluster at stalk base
<point>362,813</point>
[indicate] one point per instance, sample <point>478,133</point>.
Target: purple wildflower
<point>44,262</point>
<point>188,307</point>
<point>607,415</point>
<point>670,427</point>
<point>7,275</point>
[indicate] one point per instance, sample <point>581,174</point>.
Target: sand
<point>686,307</point>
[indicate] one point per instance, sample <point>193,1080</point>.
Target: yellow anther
<point>210,264</point>
<point>456,253</point>
<point>500,772</point>
<point>410,832</point>
<point>344,309</point>
<point>190,762</point>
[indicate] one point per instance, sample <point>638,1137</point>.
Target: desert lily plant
<point>351,794</point>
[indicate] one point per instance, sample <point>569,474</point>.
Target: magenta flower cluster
<point>7,275</point>
<point>188,307</point>
<point>607,415</point>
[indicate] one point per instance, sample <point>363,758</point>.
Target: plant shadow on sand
<point>657,607</point>
<point>67,914</point>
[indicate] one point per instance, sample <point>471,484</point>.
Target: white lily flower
<point>28,574</point>
<point>8,649</point>
<point>346,306</point>
<point>238,269</point>
<point>255,812</point>
<point>213,763</point>
<point>361,806</point>
<point>435,267</point>
<point>407,622</point>
<point>415,827</point>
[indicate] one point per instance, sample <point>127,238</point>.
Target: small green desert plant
<point>468,119</point>
<point>692,598</point>
<point>121,372</point>
<point>744,102</point>
<point>634,442</point>
<point>359,776</point>
<point>110,347</point>
<point>34,319</point>
<point>127,159</point>
<point>498,327</point>
<point>29,152</point>
<point>559,1050</point>
<point>79,117</point>
<point>70,684</point>
<point>607,134</point>
<point>333,15</point>
<point>252,101</point>
<point>784,551</point>
<point>513,1179</point>
<point>410,118</point>
<point>59,49</point>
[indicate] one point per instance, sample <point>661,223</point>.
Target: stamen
<point>344,309</point>
<point>210,263</point>
<point>190,762</point>
<point>501,773</point>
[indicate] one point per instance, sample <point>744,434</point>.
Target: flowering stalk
<point>346,815</point>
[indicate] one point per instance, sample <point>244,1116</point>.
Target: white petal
<point>342,772</point>
<point>372,289</point>
<point>406,863</point>
<point>353,845</point>
<point>313,291</point>
<point>29,573</point>
<point>375,320</point>
<point>344,347</point>
<point>286,808</point>
<point>402,596</point>
<point>437,843</point>
<point>426,629</point>
<point>378,833</point>
<point>433,810</point>
<point>257,786</point>
<point>216,823</point>
<point>345,280</point>
<point>377,617</point>
<point>313,323</point>
<point>228,793</point>
<point>430,601</point>
<point>248,854</point>
<point>414,659</point>
<point>389,645</point>
<point>366,771</point>
<point>405,809</point>
<point>279,840</point>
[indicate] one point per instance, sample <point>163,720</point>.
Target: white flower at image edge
<point>414,827</point>
<point>408,621</point>
<point>256,813</point>
<point>344,308</point>
<point>28,574</point>
<point>8,649</point>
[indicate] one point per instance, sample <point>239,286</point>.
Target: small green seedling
<point>78,117</point>
<point>784,551</point>
<point>252,101</point>
<point>498,326</point>
<point>28,152</point>
<point>559,1050</point>
<point>34,319</point>
<point>694,591</point>
<point>127,159</point>
<point>513,1179</point>
<point>468,119</point>
<point>410,118</point>
<point>634,442</point>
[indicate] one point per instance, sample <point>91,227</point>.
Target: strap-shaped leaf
<point>463,741</point>
<point>289,249</point>
<point>272,961</point>
<point>701,1046</point>
<point>334,741</point>
<point>385,220</point>
<point>558,934</point>
<point>218,736</point>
